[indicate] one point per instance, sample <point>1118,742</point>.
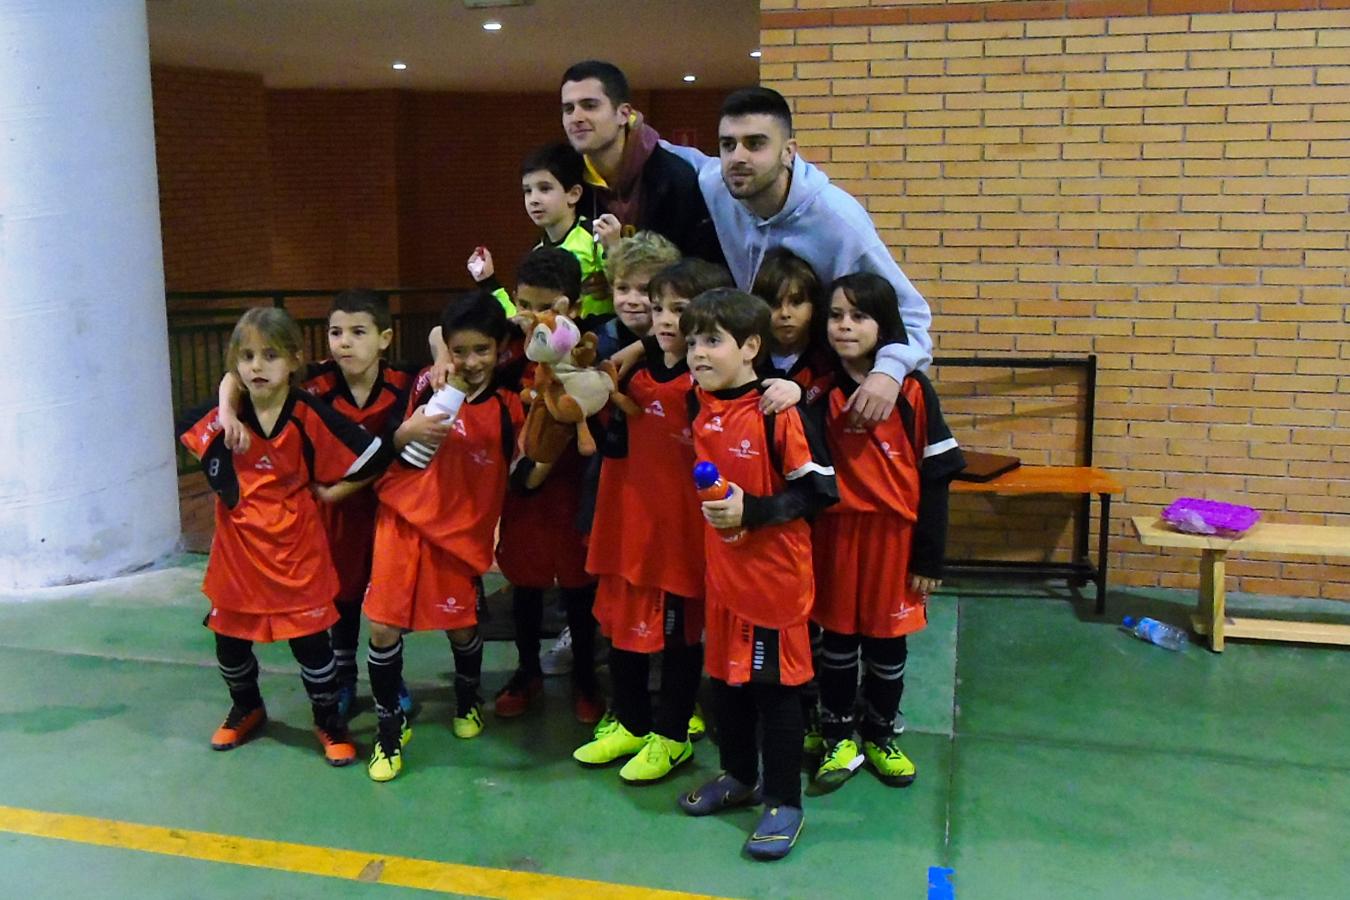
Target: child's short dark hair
<point>364,300</point>
<point>610,76</point>
<point>689,277</point>
<point>553,268</point>
<point>875,296</point>
<point>559,160</point>
<point>478,310</point>
<point>742,315</point>
<point>755,101</point>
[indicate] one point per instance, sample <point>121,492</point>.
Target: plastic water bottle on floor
<point>1156,632</point>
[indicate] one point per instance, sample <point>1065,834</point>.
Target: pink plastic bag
<point>1196,516</point>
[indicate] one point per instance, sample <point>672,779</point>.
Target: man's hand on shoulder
<point>874,401</point>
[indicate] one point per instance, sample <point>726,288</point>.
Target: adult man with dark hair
<point>762,194</point>
<point>634,183</point>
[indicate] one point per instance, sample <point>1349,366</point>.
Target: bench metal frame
<point>1081,569</point>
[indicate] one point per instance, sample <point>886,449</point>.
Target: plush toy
<point>569,384</point>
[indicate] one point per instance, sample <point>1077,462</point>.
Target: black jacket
<point>671,205</point>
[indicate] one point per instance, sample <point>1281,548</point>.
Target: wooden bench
<point>1263,537</point>
<point>1079,481</point>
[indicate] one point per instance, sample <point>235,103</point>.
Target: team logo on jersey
<point>714,424</point>
<point>656,409</point>
<point>264,464</point>
<point>459,429</point>
<point>686,436</point>
<point>641,629</point>
<point>743,450</point>
<point>480,457</point>
<point>886,449</point>
<point>450,605</point>
<point>814,392</point>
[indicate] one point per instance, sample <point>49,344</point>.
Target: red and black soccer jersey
<point>270,554</point>
<point>648,524</point>
<point>805,368</point>
<point>384,405</point>
<point>781,464</point>
<point>455,502</point>
<point>350,525</point>
<point>880,469</point>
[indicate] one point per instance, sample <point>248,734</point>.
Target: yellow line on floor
<point>329,862</point>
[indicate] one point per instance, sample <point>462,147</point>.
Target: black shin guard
<point>384,666</point>
<point>318,669</point>
<point>883,685</point>
<point>838,680</point>
<point>631,703</point>
<point>527,613</point>
<point>346,637</point>
<point>578,603</point>
<point>239,668</point>
<point>468,672</point>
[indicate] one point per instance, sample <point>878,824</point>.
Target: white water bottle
<point>447,400</point>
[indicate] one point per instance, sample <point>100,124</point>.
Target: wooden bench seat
<point>1331,541</point>
<point>1080,481</point>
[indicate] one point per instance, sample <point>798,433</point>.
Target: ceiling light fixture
<point>399,67</point>
<point>493,25</point>
<point>690,78</point>
<point>754,54</point>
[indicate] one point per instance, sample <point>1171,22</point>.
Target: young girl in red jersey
<point>434,525</point>
<point>792,289</point>
<point>650,602</point>
<point>361,386</point>
<point>270,576</point>
<point>879,551</point>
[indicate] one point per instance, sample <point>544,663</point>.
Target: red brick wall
<point>1159,182</point>
<point>334,197</point>
<point>214,200</point>
<point>321,188</point>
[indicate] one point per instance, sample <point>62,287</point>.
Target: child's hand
<point>780,394</point>
<point>873,402</point>
<point>425,429</point>
<point>727,512</point>
<point>442,372</point>
<point>480,264</point>
<point>235,433</point>
<point>924,585</point>
<point>608,230</point>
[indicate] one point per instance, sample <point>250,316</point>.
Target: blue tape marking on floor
<point>940,883</point>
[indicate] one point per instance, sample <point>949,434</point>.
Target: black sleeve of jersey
<point>188,418</point>
<point>940,458</point>
<point>928,552</point>
<point>614,439</point>
<point>806,493</point>
<point>356,439</point>
<point>491,284</point>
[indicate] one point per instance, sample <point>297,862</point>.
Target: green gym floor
<point>1057,757</point>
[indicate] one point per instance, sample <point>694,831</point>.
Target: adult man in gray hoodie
<point>762,194</point>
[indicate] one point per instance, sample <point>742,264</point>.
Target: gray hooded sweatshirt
<point>829,229</point>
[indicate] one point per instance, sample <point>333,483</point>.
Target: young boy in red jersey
<point>551,181</point>
<point>759,581</point>
<point>361,386</point>
<point>270,576</point>
<point>541,543</point>
<point>649,602</point>
<point>434,525</point>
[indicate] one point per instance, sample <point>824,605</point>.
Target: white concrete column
<point>87,481</point>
